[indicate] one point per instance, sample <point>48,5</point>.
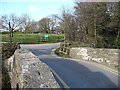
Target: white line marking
<point>64,84</point>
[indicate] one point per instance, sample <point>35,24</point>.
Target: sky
<point>36,9</point>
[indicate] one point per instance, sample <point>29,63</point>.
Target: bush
<point>8,49</point>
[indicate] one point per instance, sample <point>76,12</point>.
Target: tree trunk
<point>10,37</point>
<point>12,33</point>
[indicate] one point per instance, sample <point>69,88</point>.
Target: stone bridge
<point>100,55</point>
<point>27,71</point>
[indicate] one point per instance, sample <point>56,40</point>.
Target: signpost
<point>46,37</point>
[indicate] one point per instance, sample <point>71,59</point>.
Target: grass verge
<point>33,38</point>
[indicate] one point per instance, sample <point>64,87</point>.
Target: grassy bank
<point>33,38</point>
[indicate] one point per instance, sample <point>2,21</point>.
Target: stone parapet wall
<point>110,56</point>
<point>0,59</point>
<point>27,71</point>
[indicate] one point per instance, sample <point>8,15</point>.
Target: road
<point>75,74</point>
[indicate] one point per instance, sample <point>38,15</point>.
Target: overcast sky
<point>36,9</point>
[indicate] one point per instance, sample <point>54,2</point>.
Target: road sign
<point>46,35</point>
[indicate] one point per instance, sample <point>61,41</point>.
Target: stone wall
<point>110,56</point>
<point>0,67</point>
<point>27,71</point>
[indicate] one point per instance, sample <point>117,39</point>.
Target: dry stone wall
<point>110,56</point>
<point>27,71</point>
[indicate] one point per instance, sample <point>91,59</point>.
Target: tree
<point>113,25</point>
<point>11,23</point>
<point>52,23</point>
<point>31,27</point>
<point>107,23</point>
<point>85,19</point>
<point>60,23</point>
<point>27,20</point>
<point>44,25</point>
<point>97,23</point>
<point>47,25</point>
<point>68,25</point>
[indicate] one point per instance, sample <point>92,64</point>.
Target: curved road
<point>75,74</point>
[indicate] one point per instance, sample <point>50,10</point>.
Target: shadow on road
<point>76,75</point>
<point>41,52</point>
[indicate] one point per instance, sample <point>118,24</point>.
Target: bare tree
<point>26,22</point>
<point>68,24</point>
<point>43,25</point>
<point>46,25</point>
<point>31,27</point>
<point>11,23</point>
<point>52,23</point>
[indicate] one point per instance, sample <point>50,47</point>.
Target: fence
<point>64,48</point>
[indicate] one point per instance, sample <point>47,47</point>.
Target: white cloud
<point>34,8</point>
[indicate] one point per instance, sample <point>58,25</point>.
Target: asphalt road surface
<point>75,74</point>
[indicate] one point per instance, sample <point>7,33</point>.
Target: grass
<point>32,38</point>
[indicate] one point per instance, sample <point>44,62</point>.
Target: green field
<point>33,38</point>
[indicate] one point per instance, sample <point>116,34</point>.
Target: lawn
<point>33,38</point>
